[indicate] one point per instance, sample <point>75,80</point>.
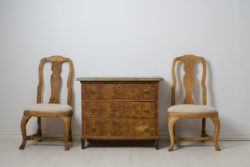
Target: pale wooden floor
<point>233,154</point>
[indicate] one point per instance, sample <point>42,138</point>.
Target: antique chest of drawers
<point>119,109</point>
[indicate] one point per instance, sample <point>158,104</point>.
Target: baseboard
<point>163,136</point>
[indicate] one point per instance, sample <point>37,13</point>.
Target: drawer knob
<point>146,110</point>
<point>146,129</point>
<point>92,92</point>
<point>146,92</point>
<point>93,129</point>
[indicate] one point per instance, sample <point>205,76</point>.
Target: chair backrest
<point>55,79</point>
<point>188,79</point>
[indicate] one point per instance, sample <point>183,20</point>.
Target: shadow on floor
<point>126,143</point>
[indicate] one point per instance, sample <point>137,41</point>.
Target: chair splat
<point>188,78</point>
<point>56,81</point>
<point>188,82</point>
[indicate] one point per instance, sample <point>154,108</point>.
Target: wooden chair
<point>188,109</point>
<point>53,108</point>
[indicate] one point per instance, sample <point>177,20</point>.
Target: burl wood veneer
<point>119,109</point>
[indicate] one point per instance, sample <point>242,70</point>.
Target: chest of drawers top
<point>117,79</point>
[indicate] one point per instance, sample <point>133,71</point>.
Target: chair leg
<point>171,125</point>
<point>24,121</point>
<point>216,122</point>
<point>70,133</point>
<point>67,122</point>
<point>174,130</point>
<point>39,127</point>
<point>203,130</point>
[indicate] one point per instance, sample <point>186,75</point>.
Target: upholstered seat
<point>191,108</point>
<point>43,107</point>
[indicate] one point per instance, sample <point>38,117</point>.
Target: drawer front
<point>119,91</point>
<point>119,109</point>
<point>120,127</point>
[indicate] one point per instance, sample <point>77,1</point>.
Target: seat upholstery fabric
<point>41,107</point>
<point>191,108</point>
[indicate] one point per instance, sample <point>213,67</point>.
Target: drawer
<point>119,109</point>
<point>119,91</point>
<point>120,127</point>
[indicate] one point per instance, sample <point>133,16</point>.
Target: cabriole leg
<point>24,121</point>
<point>171,124</point>
<point>216,122</point>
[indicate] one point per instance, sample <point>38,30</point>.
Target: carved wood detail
<point>188,79</point>
<point>55,80</point>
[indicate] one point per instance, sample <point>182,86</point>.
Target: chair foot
<point>22,146</point>
<point>66,147</point>
<point>171,148</point>
<point>217,147</point>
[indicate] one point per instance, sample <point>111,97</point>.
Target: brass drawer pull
<point>92,92</point>
<point>146,92</point>
<point>93,129</point>
<point>146,129</point>
<point>147,110</point>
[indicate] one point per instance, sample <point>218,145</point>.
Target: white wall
<point>127,38</point>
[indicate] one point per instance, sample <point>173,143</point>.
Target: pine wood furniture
<point>188,109</point>
<point>53,108</point>
<point>119,109</point>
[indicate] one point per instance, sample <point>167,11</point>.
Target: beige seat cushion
<point>191,108</point>
<point>49,108</point>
